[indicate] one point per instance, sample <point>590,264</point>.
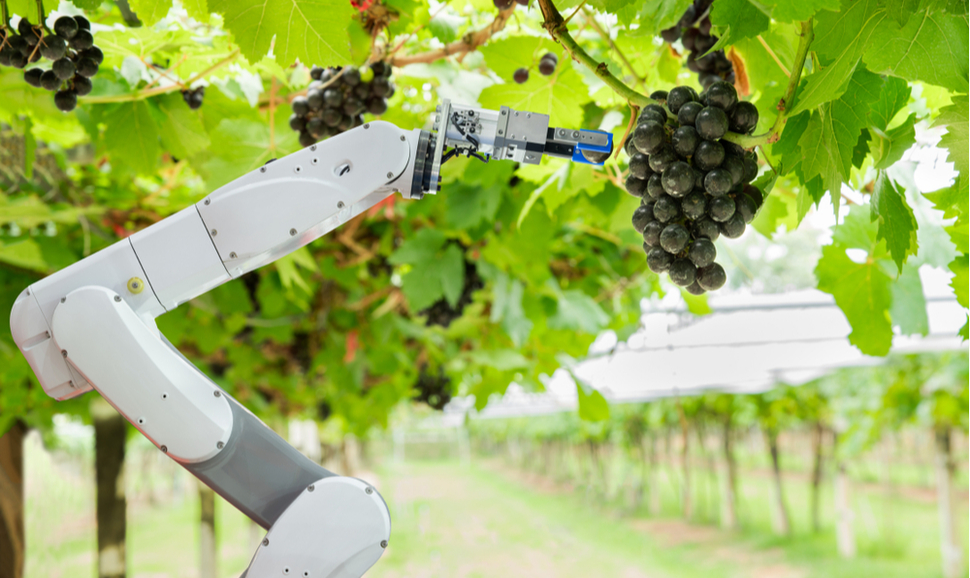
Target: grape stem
<point>556,26</point>
<point>150,92</point>
<point>465,44</point>
<point>4,16</point>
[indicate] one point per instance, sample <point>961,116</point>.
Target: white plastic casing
<point>287,203</point>
<point>160,393</point>
<point>179,259</point>
<point>338,529</point>
<point>33,311</point>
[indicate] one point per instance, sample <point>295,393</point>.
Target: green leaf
<point>779,208</point>
<point>897,225</point>
<point>505,56</point>
<point>696,304</point>
<point>798,10</point>
<point>592,404</point>
<point>198,9</point>
<point>311,31</point>
<point>467,207</point>
<point>932,47</point>
<point>961,273</point>
<point>561,96</point>
<point>863,293</point>
<point>24,254</point>
<point>889,146</point>
<point>150,11</point>
<point>420,248</point>
<point>657,15</point>
<point>965,330</point>
<point>738,19</point>
<point>901,10</point>
<point>833,131</point>
<point>507,309</point>
<point>251,149</point>
<point>841,38</point>
<point>182,131</point>
<point>451,270</point>
<point>132,136</point>
<point>788,145</point>
<point>892,98</point>
<point>908,310</point>
<point>500,359</point>
<point>955,118</point>
<point>577,310</point>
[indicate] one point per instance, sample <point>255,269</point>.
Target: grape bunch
<point>547,65</point>
<point>337,99</point>
<point>193,97</point>
<point>434,390</point>
<point>441,312</point>
<point>693,185</point>
<point>694,32</point>
<point>70,49</point>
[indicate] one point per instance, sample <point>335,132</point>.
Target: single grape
<point>651,115</point>
<point>381,87</point>
<point>316,72</point>
<point>680,96</point>
<point>746,207</point>
<point>332,97</point>
<point>315,127</point>
<point>655,186</point>
<point>32,76</point>
<point>635,186</point>
<point>521,75</point>
<point>699,179</point>
<point>702,252</point>
<point>82,85</point>
<point>750,167</point>
<point>82,23</point>
<point>659,260</point>
<point>306,139</point>
<point>547,67</point>
<point>49,80</point>
<point>674,238</point>
<point>63,68</point>
<point>660,160</point>
<point>721,208</point>
<point>657,109</point>
<point>735,166</point>
<point>297,122</point>
<point>660,95</point>
<point>641,216</point>
<point>300,106</point>
<point>503,4</point>
<point>65,100</point>
<point>754,193</point>
<point>82,40</point>
<point>353,106</point>
<point>86,66</point>
<point>712,277</point>
<point>351,76</point>
<point>708,155</point>
<point>682,272</point>
<point>685,140</point>
<point>362,91</point>
<point>651,233</point>
<point>722,94</point>
<point>522,2</point>
<point>711,123</point>
<point>718,182</point>
<point>314,99</point>
<point>705,227</point>
<point>689,38</point>
<point>648,137</point>
<point>346,123</point>
<point>66,27</point>
<point>694,205</point>
<point>678,179</point>
<point>366,74</point>
<point>18,61</point>
<point>376,105</point>
<point>687,115</point>
<point>666,209</point>
<point>670,35</point>
<point>26,30</point>
<point>640,166</point>
<point>695,288</point>
<point>53,47</point>
<point>743,118</point>
<point>733,227</point>
<point>94,53</point>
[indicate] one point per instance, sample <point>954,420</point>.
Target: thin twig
<point>570,17</point>
<point>416,30</point>
<point>467,43</point>
<point>591,20</point>
<point>634,112</point>
<point>774,56</point>
<point>764,156</point>
<point>272,114</point>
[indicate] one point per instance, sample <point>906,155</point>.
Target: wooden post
<point>110,432</point>
<point>12,501</point>
<point>782,523</point>
<point>729,512</point>
<point>208,550</point>
<point>945,468</point>
<point>817,444</point>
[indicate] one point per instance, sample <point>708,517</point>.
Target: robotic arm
<point>92,325</point>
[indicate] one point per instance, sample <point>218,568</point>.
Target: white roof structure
<point>750,343</point>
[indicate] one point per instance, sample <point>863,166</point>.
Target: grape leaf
<point>466,206</point>
<point>198,9</point>
<point>932,47</point>
<point>961,274</point>
<point>788,145</point>
<point>311,31</point>
<point>833,131</point>
<point>738,19</point>
<point>505,56</point>
<point>863,293</point>
<point>657,15</point>
<point>181,128</point>
<point>696,304</point>
<point>889,146</point>
<point>908,310</point>
<point>576,310</point>
<point>561,96</point>
<point>778,209</point>
<point>150,11</point>
<point>133,119</point>
<point>592,405</point>
<point>901,10</point>
<point>955,118</point>
<point>841,38</point>
<point>451,270</point>
<point>507,309</point>
<point>892,98</point>
<point>798,10</point>
<point>419,248</point>
<point>24,254</point>
<point>897,225</point>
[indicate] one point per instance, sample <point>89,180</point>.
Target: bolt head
<point>232,255</point>
<point>64,353</point>
<point>265,541</point>
<point>292,232</point>
<point>217,394</point>
<point>390,174</point>
<point>383,543</point>
<point>220,445</point>
<point>118,298</point>
<point>164,449</point>
<point>310,488</point>
<point>262,169</point>
<point>369,490</point>
<point>340,204</point>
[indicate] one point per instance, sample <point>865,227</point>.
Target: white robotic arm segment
<point>92,324</point>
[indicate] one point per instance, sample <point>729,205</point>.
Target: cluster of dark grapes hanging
<point>547,65</point>
<point>70,49</point>
<point>432,389</point>
<point>193,97</point>
<point>442,313</point>
<point>337,99</point>
<point>693,185</point>
<point>694,32</point>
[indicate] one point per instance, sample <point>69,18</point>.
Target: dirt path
<point>478,522</point>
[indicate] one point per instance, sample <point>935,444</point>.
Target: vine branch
<point>465,44</point>
<point>149,92</point>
